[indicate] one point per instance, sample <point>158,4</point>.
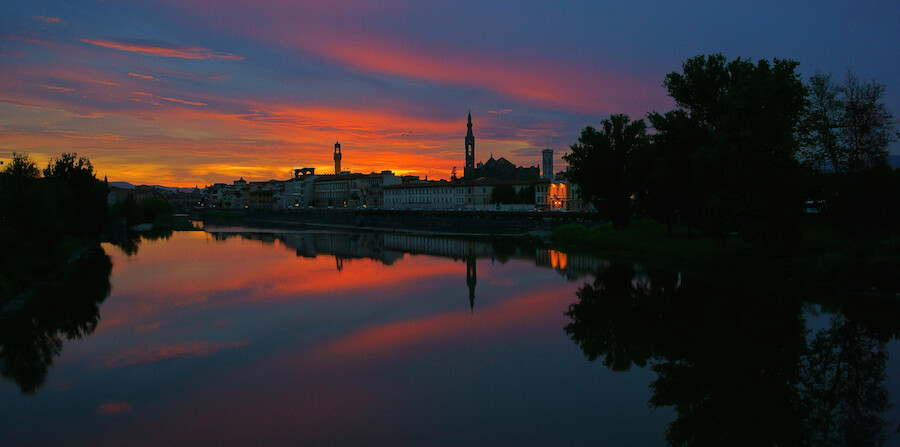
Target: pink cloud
<point>554,81</point>
<point>161,49</point>
<point>182,101</point>
<point>58,88</point>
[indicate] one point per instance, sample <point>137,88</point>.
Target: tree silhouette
<point>843,385</point>
<point>744,168</point>
<point>598,165</point>
<point>66,305</point>
<point>736,364</point>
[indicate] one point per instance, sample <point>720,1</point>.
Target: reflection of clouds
<point>508,317</point>
<point>161,353</point>
<point>111,408</point>
<point>236,272</point>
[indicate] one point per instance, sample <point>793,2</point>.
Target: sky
<point>193,92</point>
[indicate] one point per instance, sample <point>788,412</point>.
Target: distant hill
<point>126,185</point>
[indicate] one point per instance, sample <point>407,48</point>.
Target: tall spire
<point>469,170</point>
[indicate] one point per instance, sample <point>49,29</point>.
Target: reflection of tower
<point>469,171</point>
<point>547,172</point>
<point>471,279</point>
<point>340,263</point>
<point>337,157</point>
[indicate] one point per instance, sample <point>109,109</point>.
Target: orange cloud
<point>142,76</point>
<point>161,49</point>
<point>240,137</point>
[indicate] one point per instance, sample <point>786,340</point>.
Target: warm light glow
<point>558,259</point>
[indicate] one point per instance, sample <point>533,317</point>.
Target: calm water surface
<point>247,337</point>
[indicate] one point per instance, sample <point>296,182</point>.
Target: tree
<point>597,164</point>
<point>846,127</point>
<point>525,195</point>
<point>669,194</point>
<point>743,169</point>
<point>503,194</point>
<point>846,131</point>
<point>22,167</point>
<point>22,200</point>
<point>819,132</point>
<point>80,196</point>
<point>865,123</point>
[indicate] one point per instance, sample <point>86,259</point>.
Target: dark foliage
<point>52,216</point>
<point>737,120</point>
<point>730,361</point>
<point>64,304</point>
<point>599,165</point>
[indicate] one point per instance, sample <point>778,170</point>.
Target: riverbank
<point>823,258</point>
<point>458,222</point>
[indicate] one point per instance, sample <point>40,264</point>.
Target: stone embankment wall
<point>449,222</point>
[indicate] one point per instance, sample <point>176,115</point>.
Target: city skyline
<point>197,92</point>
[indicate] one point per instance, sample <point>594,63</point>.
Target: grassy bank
<point>823,257</point>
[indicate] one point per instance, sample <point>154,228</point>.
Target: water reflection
<point>389,248</point>
<point>738,367</point>
<point>64,305</point>
<point>130,242</point>
<point>371,338</point>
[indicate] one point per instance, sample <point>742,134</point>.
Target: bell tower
<point>469,171</point>
<point>337,158</point>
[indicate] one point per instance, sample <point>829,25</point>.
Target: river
<point>240,336</point>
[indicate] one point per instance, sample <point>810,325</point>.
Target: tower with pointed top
<point>337,158</point>
<point>469,171</point>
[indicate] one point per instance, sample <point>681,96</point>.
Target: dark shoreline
<point>445,222</point>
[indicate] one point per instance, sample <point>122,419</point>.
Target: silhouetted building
<point>337,157</point>
<point>299,191</point>
<point>502,169</point>
<point>469,171</point>
<point>547,156</point>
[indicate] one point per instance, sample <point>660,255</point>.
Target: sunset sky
<point>192,92</point>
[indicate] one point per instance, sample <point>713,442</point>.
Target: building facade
<point>353,190</point>
<point>426,195</point>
